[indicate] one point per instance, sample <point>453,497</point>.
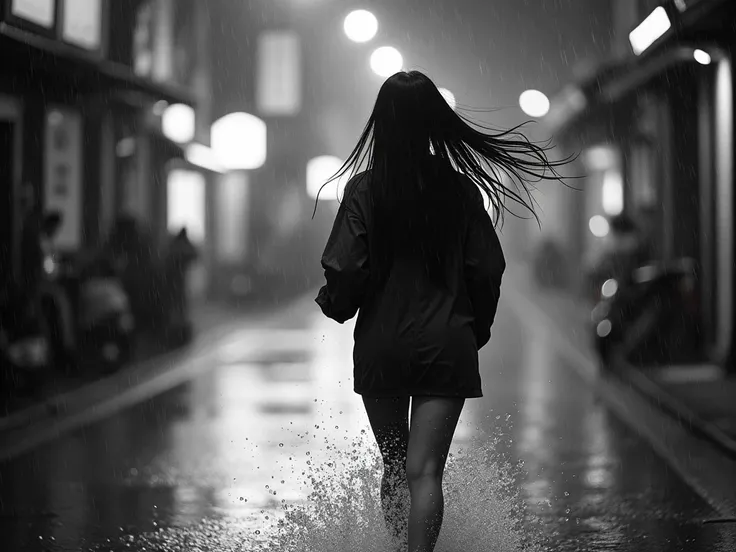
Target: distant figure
<point>31,246</point>
<point>414,249</point>
<point>182,253</point>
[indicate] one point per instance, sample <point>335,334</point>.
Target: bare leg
<point>433,423</point>
<point>389,418</point>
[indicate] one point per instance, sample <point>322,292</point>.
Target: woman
<point>415,251</point>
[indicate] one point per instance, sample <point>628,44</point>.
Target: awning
<point>34,56</point>
<point>705,24</point>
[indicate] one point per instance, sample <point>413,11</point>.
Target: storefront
<point>76,96</point>
<point>656,140</point>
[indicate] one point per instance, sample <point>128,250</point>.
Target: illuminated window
<point>186,204</point>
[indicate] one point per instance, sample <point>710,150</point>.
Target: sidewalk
<point>699,397</point>
<point>60,393</point>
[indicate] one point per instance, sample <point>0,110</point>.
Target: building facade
<point>82,90</point>
<point>655,135</point>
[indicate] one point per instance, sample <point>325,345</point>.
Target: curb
<point>673,406</point>
<point>28,428</point>
<point>661,397</point>
<point>52,405</point>
<point>697,460</point>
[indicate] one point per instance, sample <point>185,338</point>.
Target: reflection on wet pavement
<point>222,454</point>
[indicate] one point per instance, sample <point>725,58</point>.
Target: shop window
<point>79,23</point>
<point>38,12</point>
<point>82,23</point>
<point>186,204</point>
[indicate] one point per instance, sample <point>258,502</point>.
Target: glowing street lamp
<point>202,156</point>
<point>177,123</point>
<point>386,61</point>
<point>320,170</point>
<point>360,26</point>
<point>650,30</point>
<point>702,57</point>
<point>534,103</point>
<point>239,141</point>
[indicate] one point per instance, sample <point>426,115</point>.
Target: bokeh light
<point>239,141</point>
<point>599,226</point>
<point>360,26</point>
<point>177,123</point>
<point>534,103</point>
<point>702,57</point>
<point>386,61</point>
<point>320,170</point>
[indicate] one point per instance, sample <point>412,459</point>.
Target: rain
<point>174,176</point>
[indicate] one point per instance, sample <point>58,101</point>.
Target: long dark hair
<point>411,134</point>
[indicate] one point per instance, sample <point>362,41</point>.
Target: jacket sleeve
<point>345,262</point>
<point>484,266</point>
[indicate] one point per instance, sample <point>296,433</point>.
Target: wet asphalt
<point>213,456</point>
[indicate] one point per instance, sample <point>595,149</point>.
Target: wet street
<point>210,464</point>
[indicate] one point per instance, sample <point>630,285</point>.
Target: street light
<point>360,26</point>
<point>239,141</point>
<point>319,171</point>
<point>177,123</point>
<point>386,60</point>
<point>534,103</point>
<point>702,57</point>
<point>650,30</point>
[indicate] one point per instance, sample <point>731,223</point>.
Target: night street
<point>226,223</point>
<point>210,464</point>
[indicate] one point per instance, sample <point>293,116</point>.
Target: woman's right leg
<point>389,418</point>
<point>433,423</point>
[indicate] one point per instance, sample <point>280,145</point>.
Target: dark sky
<point>486,51</point>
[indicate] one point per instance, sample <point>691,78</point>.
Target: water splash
<point>484,507</point>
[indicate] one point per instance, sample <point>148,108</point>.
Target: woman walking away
<point>414,249</point>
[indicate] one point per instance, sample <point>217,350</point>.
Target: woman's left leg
<point>389,418</point>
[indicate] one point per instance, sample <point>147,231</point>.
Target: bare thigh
<point>389,419</point>
<point>433,423</point>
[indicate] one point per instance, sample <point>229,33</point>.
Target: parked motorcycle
<point>24,346</point>
<point>88,312</point>
<point>625,249</point>
<point>649,317</point>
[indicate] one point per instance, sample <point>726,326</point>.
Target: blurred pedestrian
<point>415,250</point>
<point>31,246</point>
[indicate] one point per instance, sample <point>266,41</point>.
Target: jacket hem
<point>470,394</point>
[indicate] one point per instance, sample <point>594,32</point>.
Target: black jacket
<point>412,337</point>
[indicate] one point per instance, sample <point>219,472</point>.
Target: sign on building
<point>63,174</point>
<point>279,75</point>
